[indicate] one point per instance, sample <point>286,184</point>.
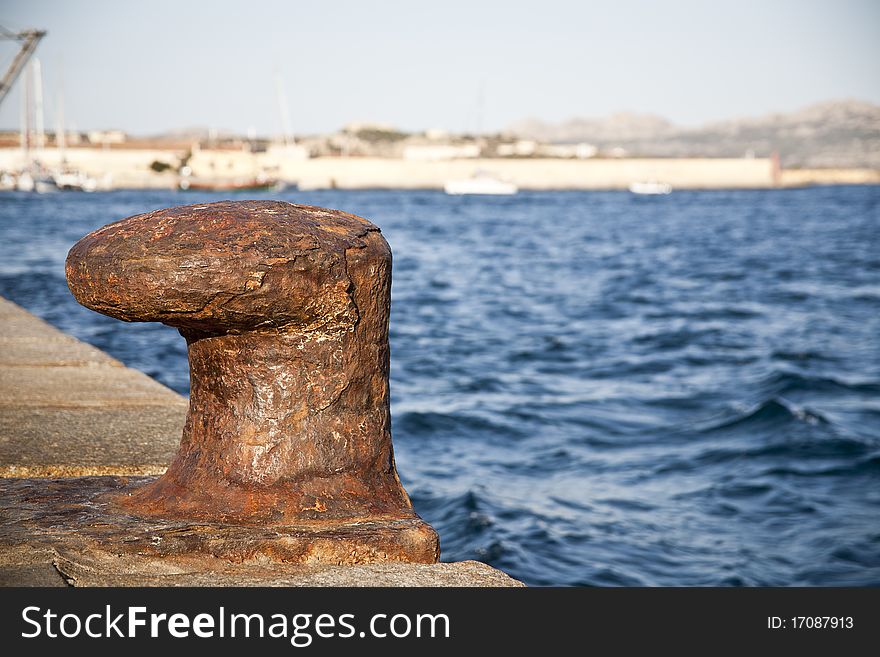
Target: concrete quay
<point>68,410</point>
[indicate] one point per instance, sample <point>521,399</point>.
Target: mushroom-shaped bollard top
<point>285,311</point>
<point>231,267</point>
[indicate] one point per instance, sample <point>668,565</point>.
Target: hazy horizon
<point>226,131</point>
<point>462,67</point>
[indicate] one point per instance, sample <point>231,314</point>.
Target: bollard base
<point>71,516</point>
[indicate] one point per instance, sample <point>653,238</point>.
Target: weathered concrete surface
<point>68,409</point>
<point>79,386</point>
<point>46,349</point>
<point>57,568</point>
<point>31,574</point>
<point>82,441</point>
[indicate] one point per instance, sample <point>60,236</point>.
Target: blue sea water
<point>595,388</point>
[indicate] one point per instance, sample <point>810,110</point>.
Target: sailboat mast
<point>60,136</point>
<point>27,105</point>
<point>282,110</point>
<point>40,140</point>
<point>22,121</point>
<point>481,100</point>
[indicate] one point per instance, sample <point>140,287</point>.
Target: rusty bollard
<point>285,312</point>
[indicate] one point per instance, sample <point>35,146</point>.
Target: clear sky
<point>150,66</point>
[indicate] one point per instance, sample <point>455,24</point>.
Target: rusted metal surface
<point>285,312</point>
<point>80,519</point>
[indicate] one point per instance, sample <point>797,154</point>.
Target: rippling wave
<point>593,389</point>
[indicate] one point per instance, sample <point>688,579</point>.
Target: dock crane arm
<point>29,40</point>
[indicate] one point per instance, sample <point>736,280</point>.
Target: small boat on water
<point>35,182</point>
<point>74,181</point>
<point>650,187</point>
<point>25,182</point>
<point>480,183</point>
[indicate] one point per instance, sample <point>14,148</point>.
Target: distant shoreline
<point>120,168</point>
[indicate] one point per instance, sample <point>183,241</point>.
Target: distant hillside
<point>832,134</point>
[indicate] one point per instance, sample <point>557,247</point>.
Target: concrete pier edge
<point>69,410</point>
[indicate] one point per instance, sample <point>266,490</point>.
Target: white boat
<point>650,187</point>
<point>481,183</point>
<point>25,182</point>
<point>44,185</point>
<point>75,180</point>
<point>35,182</point>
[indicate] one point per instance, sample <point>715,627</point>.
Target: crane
<point>29,40</point>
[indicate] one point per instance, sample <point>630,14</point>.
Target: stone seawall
<point>532,174</point>
<point>807,177</point>
<point>130,168</point>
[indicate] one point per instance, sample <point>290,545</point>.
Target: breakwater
<point>131,168</point>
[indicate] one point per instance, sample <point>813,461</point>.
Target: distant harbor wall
<point>531,173</point>
<point>806,177</point>
<point>130,168</point>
